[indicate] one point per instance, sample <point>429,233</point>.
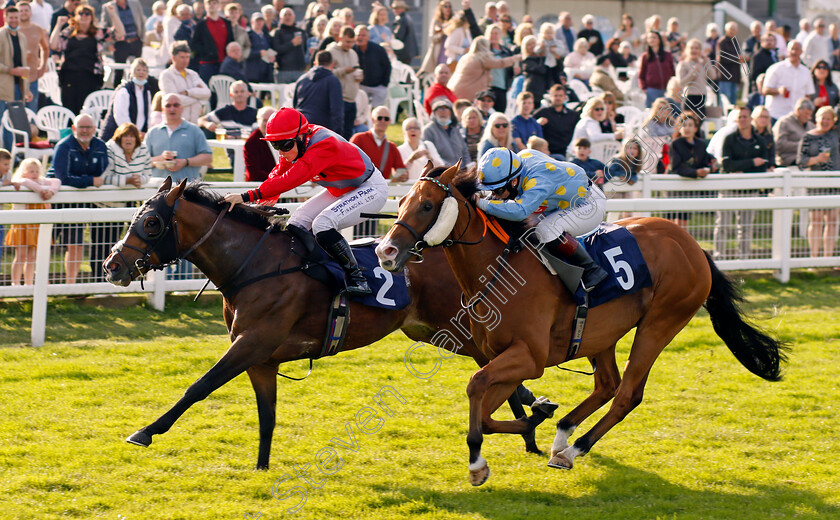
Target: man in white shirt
<point>804,31</point>
<point>42,13</point>
<point>178,79</point>
<point>787,81</point>
<point>817,45</point>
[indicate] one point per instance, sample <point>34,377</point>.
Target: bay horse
<point>534,325</point>
<point>280,319</point>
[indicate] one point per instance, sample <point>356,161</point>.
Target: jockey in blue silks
<point>568,205</point>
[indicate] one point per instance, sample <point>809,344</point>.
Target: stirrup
<point>356,284</point>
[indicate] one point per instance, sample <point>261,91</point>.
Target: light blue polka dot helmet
<point>497,167</point>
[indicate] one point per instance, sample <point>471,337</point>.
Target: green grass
<point>710,441</point>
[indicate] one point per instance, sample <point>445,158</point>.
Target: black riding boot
<point>338,248</point>
<point>568,248</point>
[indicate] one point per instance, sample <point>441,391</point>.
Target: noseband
<point>153,241</point>
<point>421,239</point>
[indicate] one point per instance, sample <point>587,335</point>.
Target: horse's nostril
<point>113,267</point>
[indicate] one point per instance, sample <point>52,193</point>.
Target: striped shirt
<point>119,168</point>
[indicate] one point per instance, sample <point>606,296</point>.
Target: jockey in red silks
<point>353,185</point>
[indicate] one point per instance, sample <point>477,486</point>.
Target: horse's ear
<point>166,185</point>
<point>428,168</point>
<point>450,173</point>
<point>175,193</point>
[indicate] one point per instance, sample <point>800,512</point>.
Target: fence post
<point>157,298</point>
<point>42,275</point>
<point>786,238</point>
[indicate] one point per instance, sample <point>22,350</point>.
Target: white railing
<point>783,202</point>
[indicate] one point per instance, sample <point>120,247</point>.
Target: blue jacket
<point>76,167</point>
<point>318,97</point>
<point>256,69</point>
<point>546,184</point>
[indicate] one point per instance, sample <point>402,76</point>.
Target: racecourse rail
<point>786,196</point>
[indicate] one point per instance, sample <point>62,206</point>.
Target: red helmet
<point>286,123</point>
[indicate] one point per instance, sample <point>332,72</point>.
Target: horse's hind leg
<point>264,380</point>
<point>607,380</point>
<point>241,355</point>
<point>655,331</point>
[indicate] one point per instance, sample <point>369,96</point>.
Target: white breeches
<point>325,211</point>
<point>576,221</point>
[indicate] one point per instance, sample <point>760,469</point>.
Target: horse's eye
<point>151,225</point>
<point>427,206</point>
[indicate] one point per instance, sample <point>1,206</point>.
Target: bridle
<point>155,239</point>
<point>420,239</point>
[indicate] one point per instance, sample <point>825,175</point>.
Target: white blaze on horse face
<point>386,260</point>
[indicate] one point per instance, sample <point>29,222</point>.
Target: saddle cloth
<point>389,289</point>
<point>615,249</point>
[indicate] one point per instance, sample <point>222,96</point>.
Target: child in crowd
<point>525,126</point>
<point>24,237</point>
<point>5,180</point>
<point>593,167</point>
<point>539,144</point>
<point>5,167</point>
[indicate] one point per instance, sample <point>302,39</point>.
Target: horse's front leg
<point>487,390</point>
<point>264,380</point>
<point>242,354</point>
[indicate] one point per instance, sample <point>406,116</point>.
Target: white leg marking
<point>561,440</point>
<point>571,452</point>
<point>478,464</point>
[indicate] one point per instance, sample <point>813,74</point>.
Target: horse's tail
<point>757,351</point>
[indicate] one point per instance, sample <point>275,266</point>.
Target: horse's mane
<point>466,181</point>
<point>200,193</point>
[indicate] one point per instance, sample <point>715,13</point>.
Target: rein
<point>171,225</point>
<point>420,241</point>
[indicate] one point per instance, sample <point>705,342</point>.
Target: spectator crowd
<point>617,103</point>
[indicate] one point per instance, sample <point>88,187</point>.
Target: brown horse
<point>532,329</point>
<point>282,318</point>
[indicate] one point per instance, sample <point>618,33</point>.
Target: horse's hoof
<point>545,407</point>
<point>262,467</point>
<point>479,476</point>
<point>140,439</point>
<point>560,461</point>
<point>532,448</point>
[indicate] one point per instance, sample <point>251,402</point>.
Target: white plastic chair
<point>53,119</point>
<point>404,87</point>
<point>632,115</point>
<point>48,84</point>
<point>97,104</point>
<point>220,84</point>
<point>605,150</point>
<point>20,139</point>
<point>580,88</point>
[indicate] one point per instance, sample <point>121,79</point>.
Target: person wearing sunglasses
<point>381,151</point>
<point>498,132</point>
<point>353,185</point>
<point>589,126</point>
<point>826,92</point>
<point>567,203</point>
<point>81,43</point>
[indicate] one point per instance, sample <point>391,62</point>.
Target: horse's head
<point>426,217</point>
<point>151,239</point>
